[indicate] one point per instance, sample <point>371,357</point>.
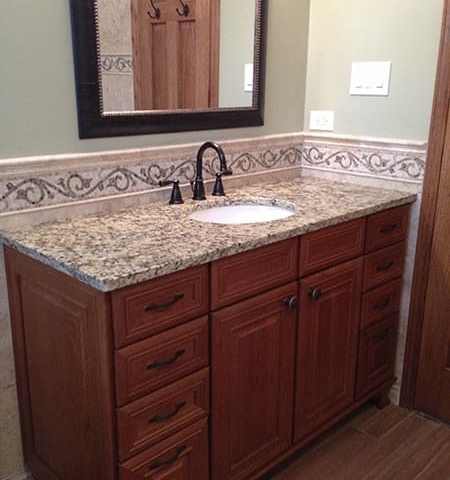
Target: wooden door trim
<point>434,164</point>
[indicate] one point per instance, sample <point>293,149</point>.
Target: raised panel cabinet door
<point>253,346</point>
<point>327,345</point>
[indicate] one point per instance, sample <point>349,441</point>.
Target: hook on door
<point>157,14</point>
<point>185,11</point>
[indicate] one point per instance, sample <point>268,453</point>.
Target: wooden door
<point>433,381</point>
<point>175,53</point>
<point>253,345</point>
<point>326,345</point>
<point>426,380</point>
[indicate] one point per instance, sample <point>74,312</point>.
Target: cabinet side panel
<point>62,341</point>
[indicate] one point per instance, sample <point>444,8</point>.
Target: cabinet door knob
<point>291,302</point>
<point>314,293</point>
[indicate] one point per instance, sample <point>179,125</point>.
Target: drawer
<point>157,416</point>
<point>332,245</point>
<point>150,364</point>
<point>376,357</point>
<point>246,274</point>
<point>182,456</point>
<point>159,304</point>
<point>380,302</point>
<point>383,265</point>
<point>387,227</point>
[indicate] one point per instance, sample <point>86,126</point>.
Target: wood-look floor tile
<point>376,422</point>
<point>438,468</point>
<point>321,463</point>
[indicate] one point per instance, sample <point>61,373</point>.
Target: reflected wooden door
<point>175,53</point>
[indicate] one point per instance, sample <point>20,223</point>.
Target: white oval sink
<point>242,213</point>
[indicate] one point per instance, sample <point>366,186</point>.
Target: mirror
<point>153,66</point>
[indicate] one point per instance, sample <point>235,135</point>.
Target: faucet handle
<point>175,197</point>
<point>218,190</point>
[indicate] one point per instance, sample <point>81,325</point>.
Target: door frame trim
<point>434,164</point>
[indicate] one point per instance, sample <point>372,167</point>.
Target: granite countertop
<point>130,246</point>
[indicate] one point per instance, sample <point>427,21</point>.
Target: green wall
<point>37,91</point>
<point>405,32</point>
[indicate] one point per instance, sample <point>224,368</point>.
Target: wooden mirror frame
<point>93,123</point>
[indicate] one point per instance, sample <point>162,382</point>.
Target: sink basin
<point>240,213</point>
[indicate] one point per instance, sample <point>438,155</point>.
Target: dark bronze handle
<point>382,304</point>
<point>164,306</point>
<point>166,362</point>
<point>380,335</point>
<point>383,268</point>
<point>160,418</point>
<point>291,302</point>
<point>314,293</point>
<point>161,463</point>
<point>388,229</point>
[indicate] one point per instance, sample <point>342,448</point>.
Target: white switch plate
<point>248,77</point>
<point>370,78</point>
<point>321,120</point>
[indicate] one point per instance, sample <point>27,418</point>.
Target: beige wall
<point>37,94</point>
<point>405,32</point>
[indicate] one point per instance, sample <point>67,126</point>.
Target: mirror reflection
<point>176,54</point>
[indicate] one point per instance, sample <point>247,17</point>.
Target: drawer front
<point>183,456</point>
<point>383,265</point>
<point>376,358</point>
<point>387,227</point>
<point>150,364</point>
<point>380,302</point>
<point>154,417</point>
<point>246,274</point>
<point>332,245</point>
<point>159,304</point>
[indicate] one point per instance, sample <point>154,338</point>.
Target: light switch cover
<point>370,78</point>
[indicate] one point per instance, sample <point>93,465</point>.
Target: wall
<point>38,92</point>
<point>405,32</point>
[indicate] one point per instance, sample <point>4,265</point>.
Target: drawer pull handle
<point>314,293</point>
<point>162,463</point>
<point>160,418</point>
<point>385,267</point>
<point>291,302</point>
<point>177,355</point>
<point>382,304</point>
<point>164,306</point>
<point>389,229</point>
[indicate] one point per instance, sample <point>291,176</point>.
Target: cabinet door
<point>327,345</point>
<point>252,382</point>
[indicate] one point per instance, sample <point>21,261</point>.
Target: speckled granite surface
<point>127,247</point>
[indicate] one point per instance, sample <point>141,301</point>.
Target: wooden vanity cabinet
<point>116,386</point>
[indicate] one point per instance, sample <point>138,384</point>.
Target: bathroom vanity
<point>206,355</point>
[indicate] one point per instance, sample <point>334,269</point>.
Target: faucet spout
<point>198,187</point>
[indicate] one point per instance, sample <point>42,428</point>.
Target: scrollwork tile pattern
<point>390,161</point>
<point>116,173</point>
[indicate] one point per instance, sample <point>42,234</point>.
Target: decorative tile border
<point>383,159</point>
<point>38,182</point>
<point>121,64</point>
<point>106,175</point>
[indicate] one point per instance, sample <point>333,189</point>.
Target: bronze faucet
<point>198,187</point>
